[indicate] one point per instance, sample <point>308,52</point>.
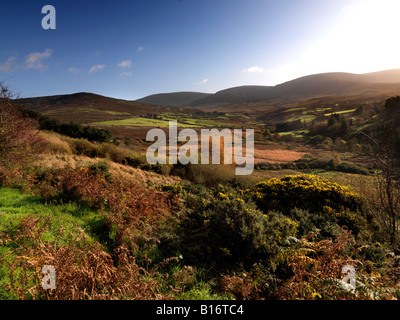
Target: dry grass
<point>145,177</point>
<point>55,143</point>
<point>277,155</point>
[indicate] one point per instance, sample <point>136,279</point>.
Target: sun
<point>363,38</point>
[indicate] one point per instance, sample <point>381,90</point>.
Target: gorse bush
<point>317,196</point>
<point>224,231</point>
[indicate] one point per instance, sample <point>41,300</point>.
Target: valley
<point>199,231</point>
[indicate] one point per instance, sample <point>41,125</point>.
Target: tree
<point>344,128</point>
<point>331,121</point>
<point>382,141</point>
<point>19,140</point>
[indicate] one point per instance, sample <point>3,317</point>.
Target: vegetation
<point>209,234</point>
<point>73,130</point>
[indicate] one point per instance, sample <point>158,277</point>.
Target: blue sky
<point>130,49</point>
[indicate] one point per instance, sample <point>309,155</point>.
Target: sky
<point>129,49</point>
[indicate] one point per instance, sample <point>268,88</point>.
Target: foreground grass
<point>16,206</point>
<point>72,219</point>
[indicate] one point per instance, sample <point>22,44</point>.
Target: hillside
<point>174,99</point>
<point>261,101</point>
<point>311,86</point>
<point>88,107</point>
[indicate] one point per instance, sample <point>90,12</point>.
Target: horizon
<point>134,49</point>
<point>210,93</point>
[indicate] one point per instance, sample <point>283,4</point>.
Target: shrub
<point>72,129</point>
<point>55,144</point>
<point>19,140</point>
<point>112,152</point>
<point>128,207</point>
<point>314,194</point>
<point>140,162</point>
<point>220,229</point>
<point>135,162</point>
<point>350,167</point>
<point>207,174</point>
<point>84,147</point>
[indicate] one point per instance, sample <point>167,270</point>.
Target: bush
<point>112,152</point>
<point>84,147</point>
<point>350,167</point>
<point>316,195</point>
<point>20,143</point>
<point>72,129</point>
<point>220,229</point>
<point>129,208</point>
<point>141,163</point>
<point>135,162</point>
<point>206,174</point>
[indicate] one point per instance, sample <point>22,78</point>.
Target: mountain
<point>349,88</point>
<point>87,107</point>
<point>311,86</point>
<point>174,99</point>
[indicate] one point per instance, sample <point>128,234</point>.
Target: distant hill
<point>174,99</point>
<point>264,101</point>
<point>87,107</point>
<point>308,87</point>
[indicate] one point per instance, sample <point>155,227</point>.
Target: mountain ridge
<point>89,107</point>
<point>309,86</point>
<point>84,107</point>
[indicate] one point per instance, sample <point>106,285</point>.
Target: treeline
<point>72,129</point>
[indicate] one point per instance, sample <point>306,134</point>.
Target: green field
<point>142,122</point>
<point>295,109</point>
<point>339,112</point>
<point>184,121</point>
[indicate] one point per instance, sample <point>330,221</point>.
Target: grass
<point>184,121</point>
<point>339,112</point>
<point>322,109</point>
<point>142,122</point>
<point>295,109</point>
<point>15,207</point>
<point>303,117</point>
<point>295,133</point>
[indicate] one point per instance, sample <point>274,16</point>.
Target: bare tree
<point>381,142</point>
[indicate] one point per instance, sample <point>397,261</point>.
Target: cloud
<point>74,70</point>
<point>6,66</point>
<point>125,64</point>
<point>254,69</point>
<point>140,49</point>
<point>204,81</point>
<point>34,59</point>
<point>125,74</point>
<point>97,67</point>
